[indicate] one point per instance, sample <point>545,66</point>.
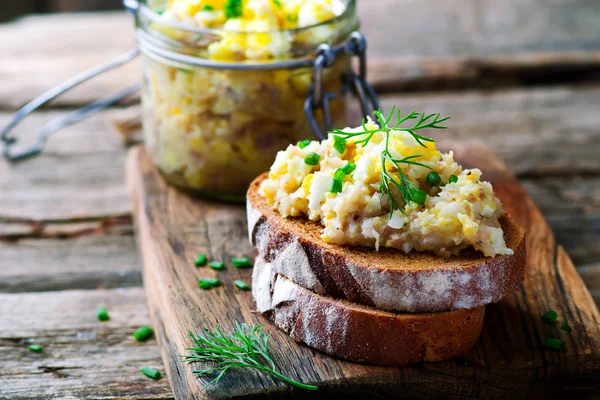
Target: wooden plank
<point>478,28</point>
<point>72,43</point>
<point>82,5</point>
<point>82,357</point>
<point>80,263</point>
<point>415,73</point>
<point>79,176</point>
<point>591,276</point>
<point>460,43</point>
<point>506,362</point>
<point>572,207</point>
<point>536,131</point>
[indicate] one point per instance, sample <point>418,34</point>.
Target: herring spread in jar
<point>387,185</point>
<point>212,129</point>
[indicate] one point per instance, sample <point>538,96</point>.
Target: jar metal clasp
<point>355,46</point>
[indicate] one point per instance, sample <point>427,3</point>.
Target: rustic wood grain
<point>536,131</point>
<point>82,357</point>
<point>508,361</point>
<point>101,261</point>
<point>79,176</point>
<point>460,43</point>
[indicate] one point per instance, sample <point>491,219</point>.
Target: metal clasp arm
<point>357,84</point>
<point>70,118</point>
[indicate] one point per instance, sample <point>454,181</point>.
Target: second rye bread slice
<point>360,333</point>
<point>387,279</point>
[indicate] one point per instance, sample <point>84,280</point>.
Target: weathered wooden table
<point>522,76</point>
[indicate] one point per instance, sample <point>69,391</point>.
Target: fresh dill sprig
<point>408,190</point>
<point>246,347</point>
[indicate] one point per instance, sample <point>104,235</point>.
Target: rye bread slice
<point>359,333</point>
<point>388,279</point>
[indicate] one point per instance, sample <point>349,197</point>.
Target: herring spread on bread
<point>384,185</point>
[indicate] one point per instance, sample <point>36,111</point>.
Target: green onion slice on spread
<point>241,262</point>
<point>208,283</point>
<point>453,179</point>
<point>433,179</point>
<point>143,333</point>
<point>241,284</point>
<point>312,159</point>
<point>337,185</point>
<point>419,196</point>
<point>151,372</point>
<point>234,8</point>
<point>102,314</point>
<point>303,143</point>
<point>349,168</point>
<point>339,144</point>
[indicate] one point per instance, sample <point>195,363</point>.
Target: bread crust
<point>360,333</point>
<point>389,279</point>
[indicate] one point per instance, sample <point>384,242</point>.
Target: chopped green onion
<point>207,7</point>
<point>278,3</point>
<point>233,8</point>
<point>555,344</point>
<point>303,143</point>
<point>36,348</point>
<point>453,179</point>
<point>241,284</point>
<point>218,265</point>
<point>433,179</point>
<point>151,372</point>
<point>565,327</point>
<point>339,174</point>
<point>349,168</point>
<point>337,185</point>
<point>102,314</point>
<point>339,144</point>
<point>208,283</point>
<point>143,333</point>
<point>241,262</point>
<point>187,71</point>
<point>312,159</point>
<point>161,12</point>
<point>549,317</point>
<point>418,196</point>
<point>200,260</point>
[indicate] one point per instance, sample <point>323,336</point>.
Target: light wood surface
<point>172,228</point>
<point>82,357</point>
<point>60,213</point>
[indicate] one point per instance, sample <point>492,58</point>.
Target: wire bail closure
<point>317,98</point>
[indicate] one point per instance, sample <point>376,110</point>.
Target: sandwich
<point>373,246</point>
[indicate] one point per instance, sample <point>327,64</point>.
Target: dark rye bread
<point>360,333</point>
<point>388,279</point>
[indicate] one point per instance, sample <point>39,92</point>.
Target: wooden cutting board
<point>509,360</point>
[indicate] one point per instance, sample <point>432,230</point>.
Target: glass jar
<point>210,125</point>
